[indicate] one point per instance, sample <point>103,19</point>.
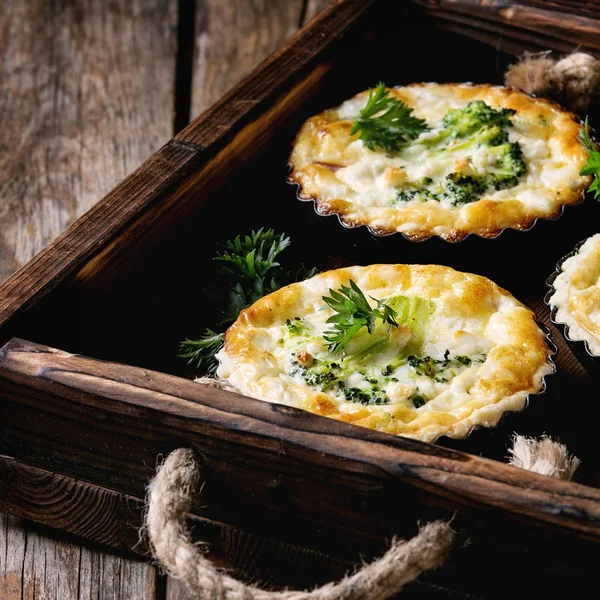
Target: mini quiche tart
<point>575,295</point>
<point>460,351</point>
<point>472,159</point>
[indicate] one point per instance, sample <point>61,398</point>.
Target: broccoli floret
<point>319,374</point>
<point>408,194</point>
<point>477,115</point>
<point>477,124</point>
<point>462,359</point>
<point>490,136</point>
<point>441,370</point>
<point>474,126</point>
<point>462,189</point>
<point>509,167</point>
<point>425,366</point>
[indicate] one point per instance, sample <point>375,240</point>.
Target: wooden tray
<point>97,393</point>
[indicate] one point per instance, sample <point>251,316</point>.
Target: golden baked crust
<point>345,178</point>
<point>498,353</point>
<point>576,296</point>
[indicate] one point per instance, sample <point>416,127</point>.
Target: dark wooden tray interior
<point>138,312</point>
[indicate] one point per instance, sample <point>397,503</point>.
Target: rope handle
<point>177,483</point>
<point>170,497</point>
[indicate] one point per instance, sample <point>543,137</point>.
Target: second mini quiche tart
<point>574,297</point>
<point>415,350</point>
<point>441,159</point>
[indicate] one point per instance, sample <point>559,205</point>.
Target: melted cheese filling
<point>375,178</point>
<point>385,372</point>
<point>479,354</point>
<point>577,295</point>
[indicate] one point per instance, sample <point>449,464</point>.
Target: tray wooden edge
<point>69,411</point>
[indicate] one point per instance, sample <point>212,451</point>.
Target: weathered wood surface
<point>561,25</point>
<point>79,110</point>
<point>87,95</point>
<point>124,208</point>
<point>37,566</point>
<point>108,518</point>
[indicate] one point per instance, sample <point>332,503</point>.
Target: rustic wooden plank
<point>347,462</point>
<point>272,562</point>
<point>80,108</point>
<point>547,563</point>
<point>91,512</point>
<point>582,7</point>
<point>103,575</point>
<point>504,39</point>
<point>232,38</point>
<point>525,19</point>
<point>71,247</point>
<point>34,566</point>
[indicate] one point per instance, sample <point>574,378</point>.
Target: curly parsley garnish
<point>353,312</point>
<point>251,270</point>
<point>386,122</point>
<point>592,167</point>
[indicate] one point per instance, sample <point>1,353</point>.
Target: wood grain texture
<point>523,20</point>
<point>79,109</point>
<point>34,566</point>
<point>89,511</point>
<point>232,38</point>
<point>246,547</point>
<point>196,149</point>
<point>276,441</point>
<point>111,519</point>
<point>128,153</point>
<point>546,563</point>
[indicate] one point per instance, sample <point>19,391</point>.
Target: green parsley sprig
<point>249,262</point>
<point>386,122</point>
<point>202,350</point>
<point>352,313</point>
<point>251,270</point>
<point>592,167</point>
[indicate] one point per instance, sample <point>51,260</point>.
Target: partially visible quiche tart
<point>465,159</point>
<point>575,299</point>
<point>444,350</point>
